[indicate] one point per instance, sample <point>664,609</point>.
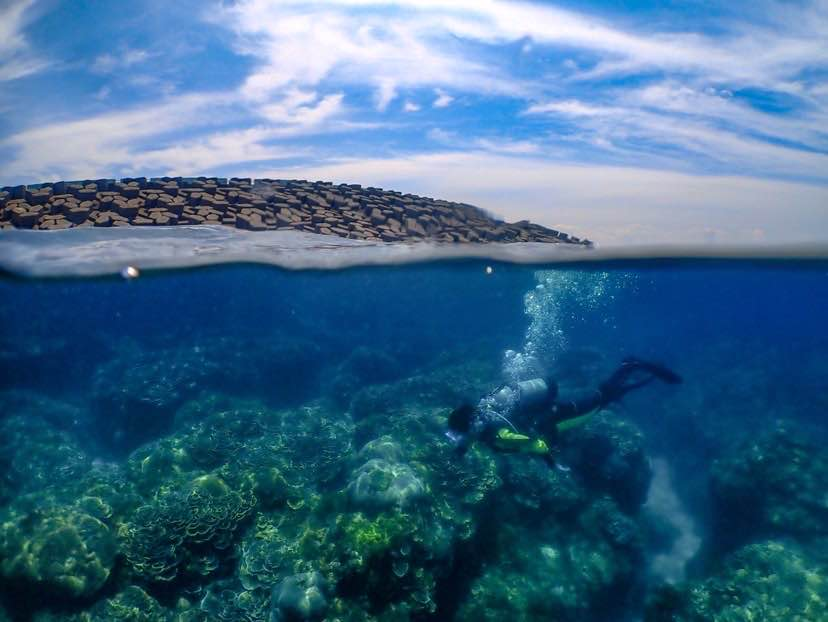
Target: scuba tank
<point>532,393</point>
<point>519,397</point>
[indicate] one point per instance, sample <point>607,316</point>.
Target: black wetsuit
<point>542,411</point>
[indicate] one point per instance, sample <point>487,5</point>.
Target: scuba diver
<point>525,416</point>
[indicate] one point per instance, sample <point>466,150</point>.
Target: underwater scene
<point>460,440</point>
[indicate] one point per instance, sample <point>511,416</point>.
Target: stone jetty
<point>345,210</point>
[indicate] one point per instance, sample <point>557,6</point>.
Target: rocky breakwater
<point>345,210</point>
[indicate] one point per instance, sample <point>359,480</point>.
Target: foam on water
<point>107,251</point>
<point>98,251</point>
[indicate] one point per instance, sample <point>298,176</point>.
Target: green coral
<point>61,548</point>
<point>277,547</point>
<point>131,605</point>
<point>185,531</point>
<point>224,601</point>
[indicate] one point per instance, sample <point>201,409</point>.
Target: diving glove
<point>507,440</point>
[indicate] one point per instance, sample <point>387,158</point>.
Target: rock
<point>772,486</point>
<point>321,207</point>
<point>102,219</point>
<point>77,214</point>
<point>25,219</point>
<point>300,597</point>
<point>414,227</point>
<point>380,484</point>
<point>250,222</point>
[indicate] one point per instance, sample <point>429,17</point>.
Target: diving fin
<point>661,372</point>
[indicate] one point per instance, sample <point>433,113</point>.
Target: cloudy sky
<point>637,121</point>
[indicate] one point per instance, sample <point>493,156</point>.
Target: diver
<point>526,416</point>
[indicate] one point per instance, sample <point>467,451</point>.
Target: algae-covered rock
<point>59,548</point>
<point>545,581</point>
<point>391,559</point>
<point>300,597</point>
<point>771,486</point>
<point>768,581</point>
<point>381,484</point>
<point>573,571</point>
<point>541,492</point>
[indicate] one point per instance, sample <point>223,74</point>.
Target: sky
<point>627,122</point>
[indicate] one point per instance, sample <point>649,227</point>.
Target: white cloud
<point>303,44</point>
<point>141,140</point>
<point>515,147</point>
<point>16,57</point>
<point>410,106</point>
<point>760,55</point>
<point>302,110</point>
<point>441,136</point>
<point>102,144</point>
<point>442,100</point>
<point>702,129</point>
<point>387,46</point>
<point>612,205</point>
<point>569,107</point>
<point>212,152</point>
<point>107,63</point>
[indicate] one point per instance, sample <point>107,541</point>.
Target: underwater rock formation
<point>565,572</point>
<point>35,456</point>
<point>139,391</point>
<point>608,452</point>
<point>773,485</point>
<point>247,512</point>
<point>768,581</point>
<point>345,210</point>
<point>300,597</point>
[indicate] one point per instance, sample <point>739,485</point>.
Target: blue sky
<point>694,121</point>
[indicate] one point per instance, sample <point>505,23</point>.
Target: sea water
<point>242,441</point>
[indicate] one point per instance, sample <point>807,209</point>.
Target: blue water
<point>243,442</point>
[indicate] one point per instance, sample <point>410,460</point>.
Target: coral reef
<point>61,548</point>
<point>609,453</point>
<point>140,390</point>
<point>773,485</point>
<point>185,530</point>
<point>558,572</point>
<point>355,507</point>
<point>764,581</point>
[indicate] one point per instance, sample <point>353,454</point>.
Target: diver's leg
<point>619,383</point>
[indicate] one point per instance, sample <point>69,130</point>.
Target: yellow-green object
<point>506,440</point>
<point>568,424</point>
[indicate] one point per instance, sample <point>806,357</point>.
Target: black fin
<point>658,370</point>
